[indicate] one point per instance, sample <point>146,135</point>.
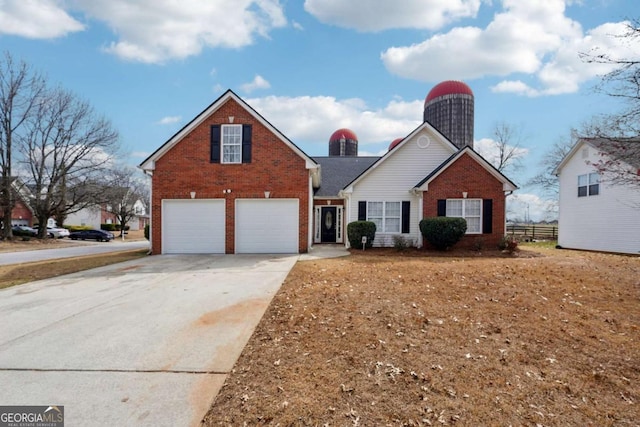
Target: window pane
<point>374,209</point>
<point>231,143</point>
<point>582,180</point>
<point>472,208</point>
<point>582,191</point>
<point>377,222</point>
<point>473,225</point>
<point>454,208</point>
<point>392,209</point>
<point>392,225</point>
<point>594,178</point>
<point>594,190</point>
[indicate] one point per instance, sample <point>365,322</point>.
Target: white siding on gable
<point>393,178</point>
<point>86,217</point>
<point>609,221</point>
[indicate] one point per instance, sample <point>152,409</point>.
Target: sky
<point>311,67</point>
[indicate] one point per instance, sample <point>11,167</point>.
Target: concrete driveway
<point>147,342</point>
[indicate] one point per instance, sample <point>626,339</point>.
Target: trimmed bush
<point>508,243</point>
<point>146,231</point>
<point>73,228</point>
<point>108,227</point>
<point>357,229</point>
<point>443,232</point>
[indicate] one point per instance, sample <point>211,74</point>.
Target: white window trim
<point>222,144</point>
<point>589,176</point>
<point>464,216</point>
<point>385,216</point>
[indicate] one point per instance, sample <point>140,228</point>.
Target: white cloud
<point>155,31</point>
<point>377,15</point>
<point>169,120</point>
<point>140,154</point>
<point>298,26</point>
<point>258,83</point>
<point>521,207</point>
<point>535,39</point>
<point>314,119</point>
<point>36,19</point>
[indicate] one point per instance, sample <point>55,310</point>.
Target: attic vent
<point>585,153</point>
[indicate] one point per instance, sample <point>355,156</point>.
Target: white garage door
<point>193,226</point>
<point>267,226</point>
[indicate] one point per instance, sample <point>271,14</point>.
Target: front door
<point>328,224</point>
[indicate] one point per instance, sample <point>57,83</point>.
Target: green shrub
<point>357,229</point>
<point>108,227</point>
<point>443,232</point>
<point>73,228</point>
<point>400,242</point>
<point>146,231</point>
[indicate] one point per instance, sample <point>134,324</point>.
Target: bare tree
<point>20,91</point>
<point>618,134</point>
<point>546,180</point>
<point>128,188</point>
<point>508,140</point>
<point>66,150</point>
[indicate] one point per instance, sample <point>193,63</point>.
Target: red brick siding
<point>186,167</point>
<point>465,174</point>
<point>325,202</point>
<point>21,212</point>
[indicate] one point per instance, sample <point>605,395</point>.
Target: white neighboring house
<point>94,216</point>
<point>594,212</point>
<point>90,216</point>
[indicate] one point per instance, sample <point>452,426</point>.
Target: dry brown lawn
<point>17,274</point>
<point>543,338</point>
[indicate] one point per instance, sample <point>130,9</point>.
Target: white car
<point>58,233</point>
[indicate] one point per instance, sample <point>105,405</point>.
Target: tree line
<point>54,142</point>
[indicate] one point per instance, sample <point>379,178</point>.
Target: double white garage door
<point>261,226</point>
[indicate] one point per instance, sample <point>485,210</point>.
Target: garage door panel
<point>267,226</point>
<point>193,226</point>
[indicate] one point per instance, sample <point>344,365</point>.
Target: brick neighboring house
<point>229,182</point>
<point>22,212</point>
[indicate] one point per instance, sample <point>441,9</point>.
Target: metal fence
<point>533,231</point>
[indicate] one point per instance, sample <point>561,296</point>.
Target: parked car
<point>98,235</point>
<point>23,231</point>
<point>54,232</point>
<point>58,233</point>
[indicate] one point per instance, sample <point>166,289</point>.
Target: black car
<point>23,231</point>
<point>98,235</point>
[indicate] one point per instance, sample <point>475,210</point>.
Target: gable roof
<point>424,125</point>
<point>21,190</point>
<point>337,172</point>
<point>507,184</point>
<point>617,149</point>
<point>149,163</point>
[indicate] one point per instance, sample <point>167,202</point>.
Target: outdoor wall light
<point>267,194</point>
<point>464,194</point>
<point>193,194</point>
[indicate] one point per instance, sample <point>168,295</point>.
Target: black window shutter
<point>215,144</point>
<point>362,211</point>
<point>406,212</point>
<point>246,143</point>
<point>487,216</point>
<point>442,207</point>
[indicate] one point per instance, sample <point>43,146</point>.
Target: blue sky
<point>313,66</point>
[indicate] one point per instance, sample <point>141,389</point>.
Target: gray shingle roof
<point>337,172</point>
<point>627,150</point>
